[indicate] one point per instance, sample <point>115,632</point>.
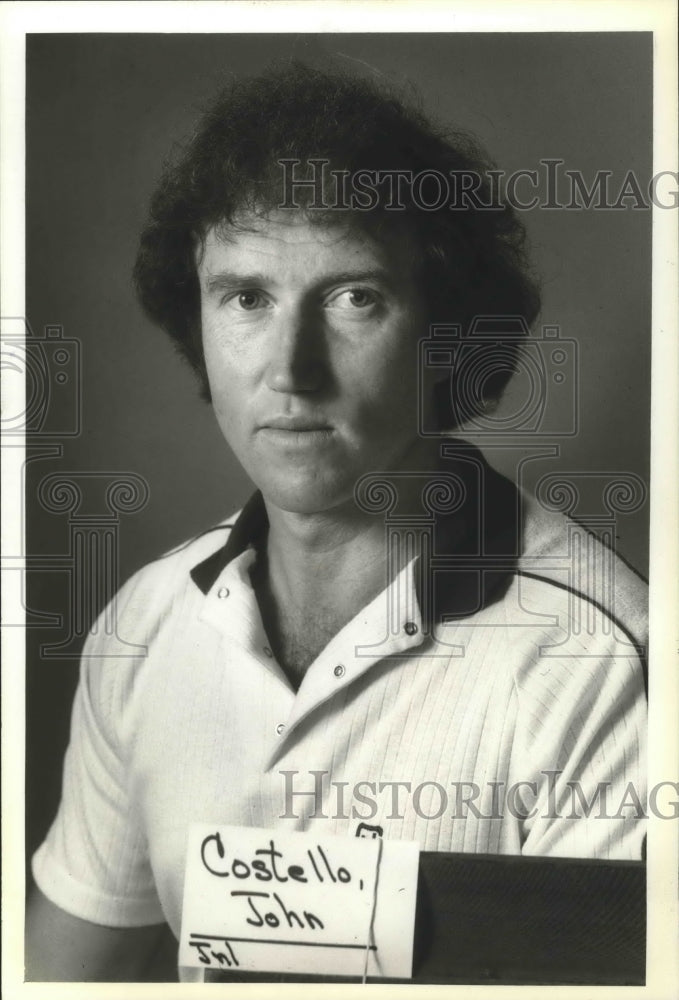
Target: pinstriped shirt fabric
<point>469,736</point>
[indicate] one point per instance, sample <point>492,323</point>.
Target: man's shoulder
<point>174,566</point>
<point>153,593</point>
<point>160,596</point>
<point>561,553</point>
<point>196,548</point>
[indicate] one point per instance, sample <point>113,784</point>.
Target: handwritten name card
<point>274,901</point>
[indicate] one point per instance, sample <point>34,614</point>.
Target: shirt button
<point>223,592</point>
<point>339,670</point>
<point>267,651</point>
<point>411,628</point>
<point>280,728</point>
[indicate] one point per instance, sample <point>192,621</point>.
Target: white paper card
<point>277,901</point>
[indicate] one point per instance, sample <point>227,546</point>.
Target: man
<point>298,254</point>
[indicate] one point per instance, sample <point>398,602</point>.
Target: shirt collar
<point>475,550</point>
<point>252,524</point>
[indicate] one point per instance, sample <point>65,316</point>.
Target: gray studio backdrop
<point>102,112</point>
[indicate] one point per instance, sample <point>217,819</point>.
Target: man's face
<point>310,335</point>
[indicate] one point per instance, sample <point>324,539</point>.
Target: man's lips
<point>294,424</point>
<point>296,433</point>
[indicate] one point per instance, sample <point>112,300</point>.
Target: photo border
<point>658,16</point>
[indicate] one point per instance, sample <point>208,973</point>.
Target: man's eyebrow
<point>235,279</point>
<point>358,274</point>
<point>231,279</point>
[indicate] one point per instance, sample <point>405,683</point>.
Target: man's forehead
<point>283,226</point>
<point>297,230</point>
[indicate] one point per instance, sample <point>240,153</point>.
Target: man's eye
<point>249,300</point>
<point>245,301</point>
<point>354,298</point>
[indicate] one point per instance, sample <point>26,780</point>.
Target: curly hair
<point>469,261</point>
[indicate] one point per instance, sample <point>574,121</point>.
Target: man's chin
<point>307,497</point>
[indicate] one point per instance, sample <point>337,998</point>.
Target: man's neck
<point>317,571</point>
<point>325,561</point>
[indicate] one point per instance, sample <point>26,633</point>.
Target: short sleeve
<point>582,750</point>
<point>94,862</point>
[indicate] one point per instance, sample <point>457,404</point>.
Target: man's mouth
<point>295,424</point>
<point>296,433</point>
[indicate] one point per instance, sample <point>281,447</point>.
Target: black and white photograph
<point>339,424</point>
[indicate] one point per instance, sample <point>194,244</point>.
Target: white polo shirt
<point>491,731</point>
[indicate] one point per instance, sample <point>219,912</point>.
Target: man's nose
<point>296,361</point>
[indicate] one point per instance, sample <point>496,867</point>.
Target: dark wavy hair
<point>470,261</point>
